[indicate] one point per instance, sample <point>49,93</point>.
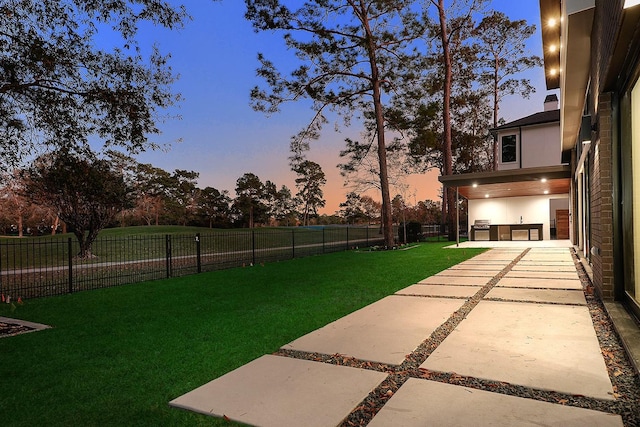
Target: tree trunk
<point>20,224</point>
<point>387,220</point>
<point>495,115</point>
<point>54,227</point>
<point>446,114</point>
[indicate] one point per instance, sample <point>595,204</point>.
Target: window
<point>509,149</point>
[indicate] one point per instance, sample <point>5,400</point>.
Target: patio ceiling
<point>511,183</point>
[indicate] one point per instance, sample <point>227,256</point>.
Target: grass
<point>117,356</point>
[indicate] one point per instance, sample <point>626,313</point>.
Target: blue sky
<point>222,137</point>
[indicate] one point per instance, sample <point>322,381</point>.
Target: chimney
<point>551,103</point>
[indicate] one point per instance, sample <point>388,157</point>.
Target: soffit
<point>512,183</point>
<point>568,67</point>
<point>575,63</point>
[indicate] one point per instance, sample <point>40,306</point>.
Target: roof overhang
<point>570,69</point>
<point>621,53</point>
<point>511,183</point>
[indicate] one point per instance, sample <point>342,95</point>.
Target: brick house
<point>592,55</point>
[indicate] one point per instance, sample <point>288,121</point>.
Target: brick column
<point>602,201</point>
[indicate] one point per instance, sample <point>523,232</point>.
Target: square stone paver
<point>385,331</point>
<point>544,274</point>
<point>496,256</point>
<point>479,266</point>
<point>440,291</point>
<point>544,257</point>
<point>497,263</point>
<point>558,296</point>
<point>468,273</point>
<point>420,403</point>
<point>522,282</point>
<point>553,268</point>
<point>547,262</point>
<point>456,281</point>
<point>550,347</point>
<point>281,391</point>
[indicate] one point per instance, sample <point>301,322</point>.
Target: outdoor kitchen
<point>483,230</point>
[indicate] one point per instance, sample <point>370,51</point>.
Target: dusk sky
<point>223,138</point>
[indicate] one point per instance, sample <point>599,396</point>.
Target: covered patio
<point>518,197</point>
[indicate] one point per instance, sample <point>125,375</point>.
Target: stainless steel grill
<point>482,224</point>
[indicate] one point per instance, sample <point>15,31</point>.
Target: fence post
<point>347,237</point>
<point>198,253</point>
<point>293,243</point>
<point>168,254</point>
<point>253,246</point>
<point>367,235</point>
<point>323,251</point>
<point>70,256</point>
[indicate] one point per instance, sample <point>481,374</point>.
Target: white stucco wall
<point>537,146</point>
<point>541,146</point>
<point>508,210</point>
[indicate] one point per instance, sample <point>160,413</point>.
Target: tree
<point>249,199</point>
<point>309,183</point>
<point>350,53</point>
<point>182,197</point>
<point>351,209</point>
<point>371,208</point>
<point>284,207</point>
<point>213,206</point>
<point>88,193</point>
<point>13,200</point>
<point>57,88</point>
<point>502,56</point>
<point>151,192</point>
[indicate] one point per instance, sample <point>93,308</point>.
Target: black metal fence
<point>46,266</point>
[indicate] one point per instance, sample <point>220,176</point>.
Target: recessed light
<point>553,72</point>
<point>552,22</point>
<point>543,180</point>
<point>486,196</point>
<point>475,185</point>
<point>546,191</point>
<point>553,48</point>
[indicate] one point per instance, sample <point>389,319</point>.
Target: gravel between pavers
<point>625,380</point>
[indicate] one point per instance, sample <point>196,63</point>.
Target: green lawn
<point>117,356</point>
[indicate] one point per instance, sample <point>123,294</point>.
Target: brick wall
<point>602,201</point>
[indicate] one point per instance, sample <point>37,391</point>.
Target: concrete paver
<point>551,268</point>
<point>489,267</point>
<point>385,331</point>
<point>440,291</point>
<point>557,296</point>
<point>455,281</point>
<point>421,403</point>
<point>534,256</point>
<point>523,282</point>
<point>500,256</point>
<point>544,274</point>
<point>545,263</point>
<point>468,273</point>
<point>533,345</point>
<point>281,391</point>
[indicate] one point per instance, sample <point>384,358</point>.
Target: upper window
<point>509,149</point>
